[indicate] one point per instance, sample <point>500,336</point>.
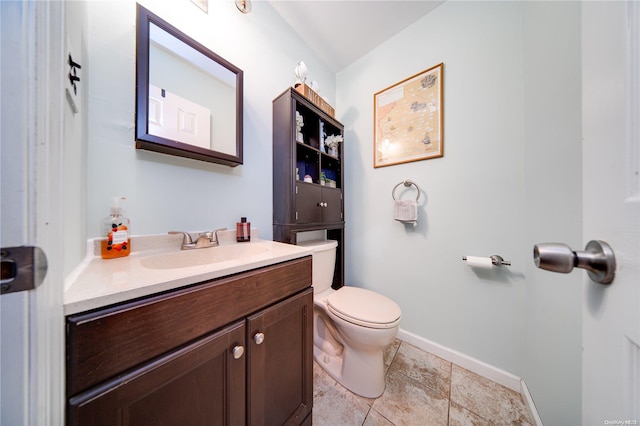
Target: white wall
<point>552,357</point>
<point>170,193</point>
<point>509,178</point>
<point>74,203</point>
<point>473,200</point>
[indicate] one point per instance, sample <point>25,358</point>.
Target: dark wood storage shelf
<point>300,206</point>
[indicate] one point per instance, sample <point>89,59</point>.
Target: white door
<point>31,322</point>
<point>178,119</point>
<point>611,209</point>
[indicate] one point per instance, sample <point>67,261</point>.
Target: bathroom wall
<point>170,193</point>
<point>74,157</point>
<point>510,137</point>
<point>510,177</point>
<point>552,355</point>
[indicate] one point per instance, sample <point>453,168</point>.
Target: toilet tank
<point>323,262</point>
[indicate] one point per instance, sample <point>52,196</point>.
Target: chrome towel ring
<point>406,183</point>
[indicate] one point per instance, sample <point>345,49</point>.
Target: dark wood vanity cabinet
<point>233,351</point>
<point>280,374</point>
<point>308,179</point>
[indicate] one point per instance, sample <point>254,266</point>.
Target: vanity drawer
<point>106,342</point>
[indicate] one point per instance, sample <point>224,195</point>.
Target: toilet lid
<point>364,307</point>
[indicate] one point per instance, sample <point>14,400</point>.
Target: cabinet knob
<point>321,204</point>
<point>259,338</point>
<point>237,352</point>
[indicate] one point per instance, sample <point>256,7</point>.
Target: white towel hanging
<point>405,211</point>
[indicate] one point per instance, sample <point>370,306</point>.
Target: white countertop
<point>101,282</point>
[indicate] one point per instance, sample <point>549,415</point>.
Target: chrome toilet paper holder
<point>496,260</point>
<point>597,258</point>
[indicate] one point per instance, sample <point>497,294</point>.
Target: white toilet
<point>352,326</point>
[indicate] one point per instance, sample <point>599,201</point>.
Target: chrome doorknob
<point>258,338</point>
<point>597,258</point>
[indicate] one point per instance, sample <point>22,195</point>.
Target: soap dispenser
<point>243,230</point>
<point>115,240</point>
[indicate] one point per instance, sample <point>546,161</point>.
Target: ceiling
<point>341,31</point>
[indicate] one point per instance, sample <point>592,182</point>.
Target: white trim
<point>633,37</point>
<point>44,110</point>
<point>504,378</point>
<point>483,369</point>
<point>528,401</point>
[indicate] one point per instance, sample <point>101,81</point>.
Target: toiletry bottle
<point>115,240</point>
<point>243,230</point>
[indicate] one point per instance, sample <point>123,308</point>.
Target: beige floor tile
<point>487,399</point>
<point>376,419</point>
<point>334,405</point>
<point>459,416</point>
<point>407,402</point>
<point>424,368</point>
<point>418,388</point>
<point>390,353</point>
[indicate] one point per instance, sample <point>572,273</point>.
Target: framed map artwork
<point>407,119</point>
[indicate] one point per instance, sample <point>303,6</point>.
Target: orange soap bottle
<point>116,241</point>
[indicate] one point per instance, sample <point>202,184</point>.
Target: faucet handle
<point>186,237</point>
<point>215,238</point>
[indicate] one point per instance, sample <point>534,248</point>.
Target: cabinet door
<point>317,204</point>
<point>202,383</point>
<point>280,362</point>
<point>332,210</point>
<point>308,199</point>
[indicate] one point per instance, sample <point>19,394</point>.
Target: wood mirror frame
<point>148,140</point>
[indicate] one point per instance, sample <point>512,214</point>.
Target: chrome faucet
<point>205,239</point>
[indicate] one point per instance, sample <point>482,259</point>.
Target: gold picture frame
<point>202,4</point>
<point>408,119</point>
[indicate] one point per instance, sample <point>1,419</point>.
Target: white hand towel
<point>406,211</point>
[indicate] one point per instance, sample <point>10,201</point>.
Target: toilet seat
<point>364,307</point>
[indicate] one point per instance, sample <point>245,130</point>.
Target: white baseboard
<point>483,369</point>
<point>528,400</point>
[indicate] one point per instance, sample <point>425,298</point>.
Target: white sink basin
<point>200,257</point>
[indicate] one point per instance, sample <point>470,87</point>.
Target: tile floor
<point>421,389</point>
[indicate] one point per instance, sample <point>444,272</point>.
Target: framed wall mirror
<point>188,99</point>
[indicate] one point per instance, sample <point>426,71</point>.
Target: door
<point>308,203</point>
<point>280,362</point>
<point>332,199</point>
<point>178,119</point>
<point>31,323</point>
<point>202,383</point>
<point>611,209</point>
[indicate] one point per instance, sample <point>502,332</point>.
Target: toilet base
<point>360,372</point>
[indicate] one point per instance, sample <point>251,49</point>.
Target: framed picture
<point>407,120</point>
<point>202,4</point>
